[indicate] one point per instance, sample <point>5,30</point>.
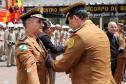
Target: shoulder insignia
<point>70,43</point>
<point>23,47</point>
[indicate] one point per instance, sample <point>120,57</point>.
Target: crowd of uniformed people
<point>90,55</point>
<point>9,34</point>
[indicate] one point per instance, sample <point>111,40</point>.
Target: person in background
<point>11,40</point>
<point>121,58</point>
<point>20,31</point>
<point>120,35</point>
<point>53,29</point>
<point>58,36</point>
<point>6,33</point>
<point>114,46</point>
<point>124,30</point>
<point>1,43</point>
<point>87,55</point>
<point>45,38</point>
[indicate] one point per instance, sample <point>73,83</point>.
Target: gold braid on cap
<point>70,7</point>
<point>37,9</point>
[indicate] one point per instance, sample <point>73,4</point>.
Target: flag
<point>4,15</point>
<point>19,3</point>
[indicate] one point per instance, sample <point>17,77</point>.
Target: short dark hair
<point>47,25</point>
<point>80,12</point>
<point>25,21</point>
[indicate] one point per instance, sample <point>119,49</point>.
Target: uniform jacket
<point>122,43</point>
<point>87,59</point>
<point>121,59</point>
<point>31,67</point>
<point>11,37</point>
<point>121,39</point>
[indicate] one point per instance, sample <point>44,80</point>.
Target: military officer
<point>1,42</point>
<point>120,36</point>
<point>11,39</point>
<point>20,32</point>
<point>121,58</point>
<point>114,46</point>
<point>87,54</point>
<point>45,38</point>
<point>30,52</point>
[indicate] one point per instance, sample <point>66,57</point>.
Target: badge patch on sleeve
<point>70,43</point>
<point>22,47</point>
